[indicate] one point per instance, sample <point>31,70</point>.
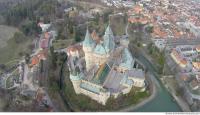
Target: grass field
<point>6,33</point>
<point>9,49</point>
<point>12,50</point>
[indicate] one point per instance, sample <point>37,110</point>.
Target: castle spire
<point>109,43</point>
<point>88,41</point>
<point>108,30</point>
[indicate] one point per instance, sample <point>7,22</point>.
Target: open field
<point>13,50</point>
<point>6,33</point>
<point>9,49</point>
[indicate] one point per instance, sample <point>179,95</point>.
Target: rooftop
<point>113,81</point>
<point>102,73</point>
<point>89,87</point>
<point>136,73</point>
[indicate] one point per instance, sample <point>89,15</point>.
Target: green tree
<point>30,27</point>
<point>53,57</point>
<point>97,17</point>
<point>27,58</point>
<point>77,36</point>
<point>149,29</point>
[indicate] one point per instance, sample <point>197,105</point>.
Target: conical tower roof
<point>88,42</point>
<point>127,59</point>
<point>108,31</point>
<point>99,49</point>
<point>109,43</point>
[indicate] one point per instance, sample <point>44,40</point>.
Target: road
<point>44,76</point>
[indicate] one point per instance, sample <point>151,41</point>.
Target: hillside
<point>6,32</point>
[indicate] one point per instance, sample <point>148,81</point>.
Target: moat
<point>163,102</point>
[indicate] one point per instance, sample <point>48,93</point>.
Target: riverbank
<point>163,97</point>
<point>153,95</point>
<point>180,101</point>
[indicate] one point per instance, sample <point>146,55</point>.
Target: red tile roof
<point>158,32</point>
<point>196,65</point>
<point>35,60</point>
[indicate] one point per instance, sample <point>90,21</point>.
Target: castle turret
<point>75,78</point>
<point>109,43</point>
<point>127,61</point>
<point>88,45</point>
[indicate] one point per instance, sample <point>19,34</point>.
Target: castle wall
<point>138,82</point>
<point>126,90</point>
<point>88,57</point>
<point>76,85</point>
<point>100,98</point>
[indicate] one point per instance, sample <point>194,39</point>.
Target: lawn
<point>12,50</point>
<point>6,32</point>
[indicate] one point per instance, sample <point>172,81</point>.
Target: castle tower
<point>76,81</point>
<point>109,42</point>
<point>104,97</point>
<point>103,50</point>
<point>88,45</point>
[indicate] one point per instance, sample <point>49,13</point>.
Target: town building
<point>186,55</point>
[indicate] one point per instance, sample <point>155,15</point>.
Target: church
<point>101,67</point>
